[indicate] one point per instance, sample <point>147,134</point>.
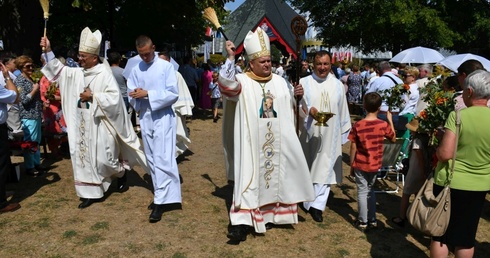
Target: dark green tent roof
<point>248,16</point>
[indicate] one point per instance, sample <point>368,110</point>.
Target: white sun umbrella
<point>421,55</point>
<point>133,61</point>
<point>453,62</point>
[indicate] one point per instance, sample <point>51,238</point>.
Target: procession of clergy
<point>272,169</point>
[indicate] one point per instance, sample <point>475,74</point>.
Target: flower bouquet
<point>51,92</point>
<point>36,75</point>
<point>394,96</point>
<point>439,104</point>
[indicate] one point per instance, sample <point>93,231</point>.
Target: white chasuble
<point>323,144</point>
<point>182,108</point>
<point>99,132</point>
<point>262,148</point>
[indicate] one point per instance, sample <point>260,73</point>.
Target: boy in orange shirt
<point>366,155</point>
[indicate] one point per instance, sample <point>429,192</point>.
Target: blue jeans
<point>366,198</point>
<point>32,132</point>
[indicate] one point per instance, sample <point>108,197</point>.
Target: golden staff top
<point>298,27</point>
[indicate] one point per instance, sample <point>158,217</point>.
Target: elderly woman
<point>31,111</point>
<point>471,178</point>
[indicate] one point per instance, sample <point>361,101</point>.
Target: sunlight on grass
<point>43,223</point>
<point>69,234</point>
<point>216,209</point>
<point>133,248</point>
<point>100,225</point>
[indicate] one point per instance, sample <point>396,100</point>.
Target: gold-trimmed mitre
<point>257,44</point>
<point>90,42</point>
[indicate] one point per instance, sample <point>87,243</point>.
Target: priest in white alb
<point>262,152</point>
<point>100,133</point>
<point>152,90</point>
<point>323,144</point>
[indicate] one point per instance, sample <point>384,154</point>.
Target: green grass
<point>100,225</point>
<point>92,239</point>
<point>69,234</point>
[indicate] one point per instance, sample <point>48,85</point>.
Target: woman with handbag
<point>470,180</point>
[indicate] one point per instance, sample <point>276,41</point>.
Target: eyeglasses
<point>28,66</point>
<point>408,75</point>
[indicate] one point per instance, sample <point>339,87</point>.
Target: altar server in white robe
<point>100,133</point>
<point>323,144</point>
<point>152,90</point>
<point>261,147</point>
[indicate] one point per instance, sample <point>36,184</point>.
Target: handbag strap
<point>458,128</point>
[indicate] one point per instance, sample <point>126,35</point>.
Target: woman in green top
<point>471,178</point>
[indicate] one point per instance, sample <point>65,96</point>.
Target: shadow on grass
<point>224,192</point>
<point>28,185</point>
<point>386,240</point>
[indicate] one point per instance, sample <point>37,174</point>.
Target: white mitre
<point>257,44</point>
<point>90,42</point>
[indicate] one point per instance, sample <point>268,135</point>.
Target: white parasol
<point>421,55</point>
<point>453,62</point>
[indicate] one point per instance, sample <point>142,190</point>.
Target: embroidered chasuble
<point>323,144</point>
<point>263,152</point>
<point>98,131</point>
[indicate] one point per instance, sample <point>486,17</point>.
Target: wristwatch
<point>7,79</point>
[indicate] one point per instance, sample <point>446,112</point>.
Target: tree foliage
<point>399,24</point>
<point>177,22</point>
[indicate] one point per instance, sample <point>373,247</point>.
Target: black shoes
<point>87,202</point>
<point>156,214</point>
<point>316,214</point>
<point>215,119</point>
<point>122,182</point>
<point>238,233</point>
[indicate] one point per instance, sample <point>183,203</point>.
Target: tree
<point>178,22</point>
<point>400,24</point>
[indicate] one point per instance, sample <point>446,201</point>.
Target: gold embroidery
<point>264,51</point>
<point>83,146</point>
<point>268,149</point>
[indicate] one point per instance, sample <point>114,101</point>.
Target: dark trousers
<point>193,92</point>
<point>5,163</point>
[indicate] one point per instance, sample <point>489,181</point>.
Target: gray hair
<point>426,67</point>
<point>479,82</point>
<point>384,66</point>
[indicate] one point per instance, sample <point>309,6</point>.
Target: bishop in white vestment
<point>262,150</point>
<point>100,133</point>
<point>323,144</point>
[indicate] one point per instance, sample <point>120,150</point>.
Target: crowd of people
<point>272,172</point>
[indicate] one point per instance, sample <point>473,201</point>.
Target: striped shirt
<point>368,135</point>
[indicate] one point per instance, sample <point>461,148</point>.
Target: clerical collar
<point>318,79</point>
<point>255,77</point>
